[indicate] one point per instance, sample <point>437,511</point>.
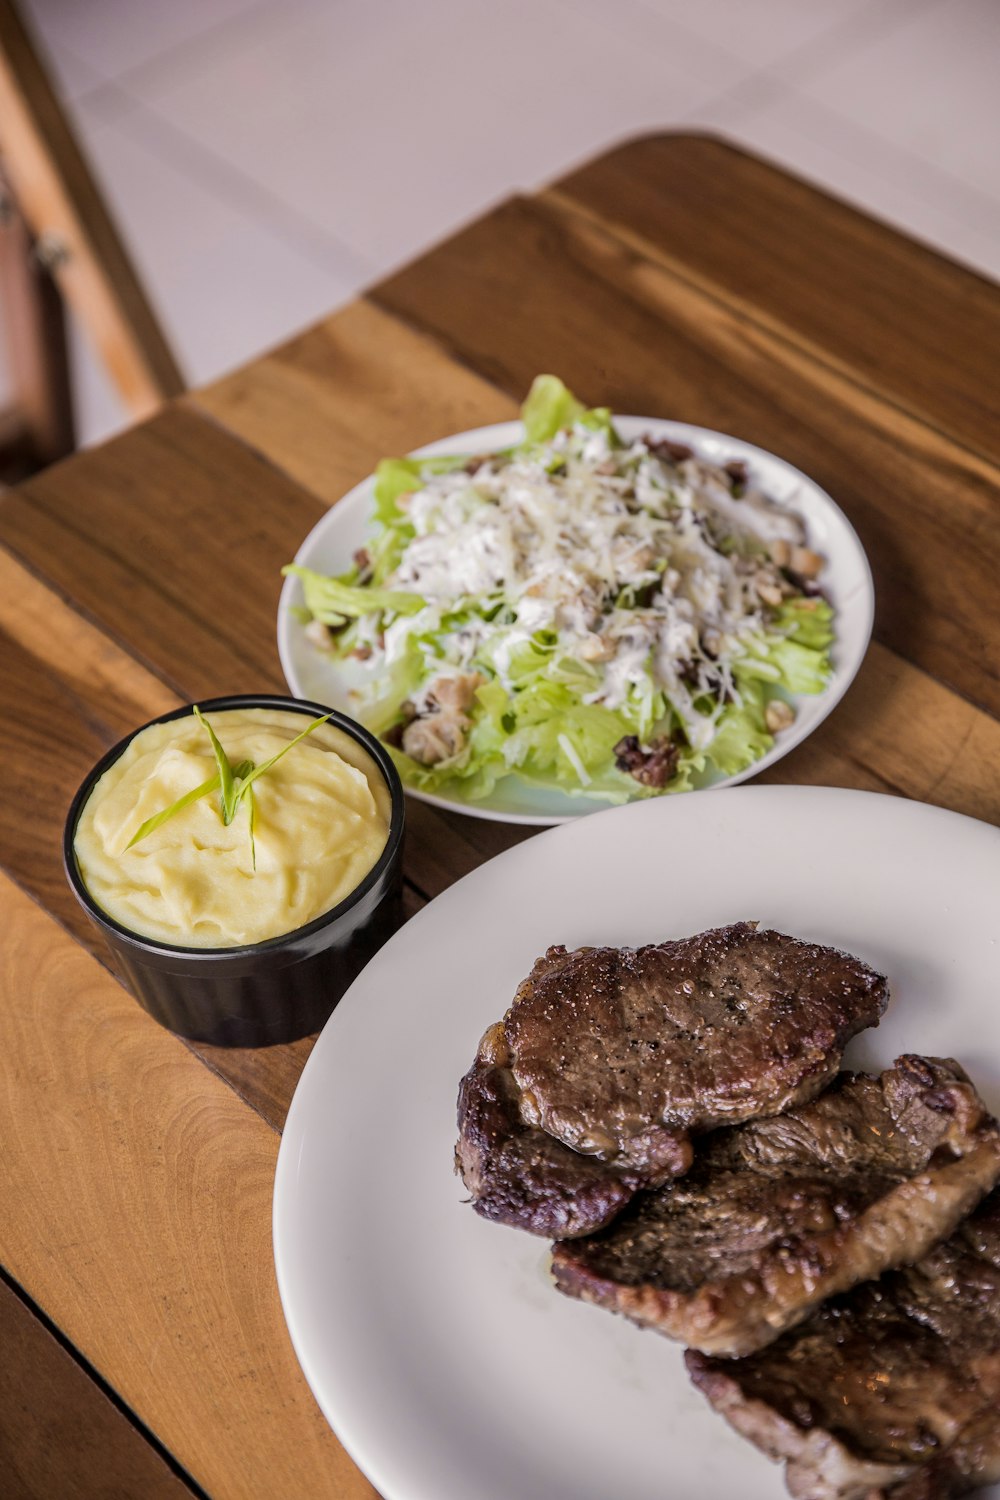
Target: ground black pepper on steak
<point>778,1214</point>
<point>519,1175</point>
<point>619,1054</point>
<point>890,1392</point>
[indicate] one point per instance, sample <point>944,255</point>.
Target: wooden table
<point>144,1352</point>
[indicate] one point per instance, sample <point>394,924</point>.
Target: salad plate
<point>434,1342</point>
<point>846,582</point>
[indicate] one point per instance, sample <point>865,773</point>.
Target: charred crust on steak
<point>744,1023</point>
<point>778,1214</point>
<point>619,1055</point>
<point>889,1392</point>
<point>518,1174</point>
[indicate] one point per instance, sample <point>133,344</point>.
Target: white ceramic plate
<point>847,579</point>
<point>441,1355</point>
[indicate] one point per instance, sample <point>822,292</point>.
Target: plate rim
<point>294,1129</point>
<point>497,434</point>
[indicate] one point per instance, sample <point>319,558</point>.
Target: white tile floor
<point>268,158</point>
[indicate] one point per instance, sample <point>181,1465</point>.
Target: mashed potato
<point>322,820</point>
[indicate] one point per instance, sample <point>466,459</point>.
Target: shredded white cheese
<point>644,568</point>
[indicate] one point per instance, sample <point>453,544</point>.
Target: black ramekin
<point>276,990</point>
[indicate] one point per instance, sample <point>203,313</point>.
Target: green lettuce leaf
<point>333,602</point>
<point>549,407</point>
<point>809,622</point>
<point>741,736</point>
<point>399,476</point>
<point>800,668</point>
<point>530,717</point>
<point>794,653</point>
<point>394,477</point>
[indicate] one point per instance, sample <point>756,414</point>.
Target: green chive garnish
<point>252,811</point>
<point>227,785</point>
<point>234,784</point>
<point>267,764</point>
<point>158,819</point>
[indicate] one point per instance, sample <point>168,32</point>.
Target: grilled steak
<point>619,1054</point>
<point>891,1392</point>
<point>519,1175</point>
<point>778,1214</point>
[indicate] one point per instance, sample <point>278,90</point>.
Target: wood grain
<point>135,1209</point>
<point>360,386</point>
<point>898,730</point>
<point>879,739</point>
<point>60,1435</point>
<point>899,317</point>
<point>67,694</point>
<point>198,612</point>
<point>135,1184</point>
<point>181,454</point>
<point>171,539</point>
<point>159,537</point>
<point>630,333</point>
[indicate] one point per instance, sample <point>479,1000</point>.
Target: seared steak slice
<point>778,1214</point>
<point>519,1175</point>
<point>621,1053</point>
<point>891,1392</point>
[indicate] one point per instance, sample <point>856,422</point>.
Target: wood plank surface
<point>171,540</point>
<point>358,387</point>
<point>898,729</point>
<point>136,1171</point>
<point>900,317</point>
<point>627,332</point>
<point>67,694</point>
<point>60,1435</point>
<point>159,536</point>
<point>187,658</point>
<point>135,1196</point>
